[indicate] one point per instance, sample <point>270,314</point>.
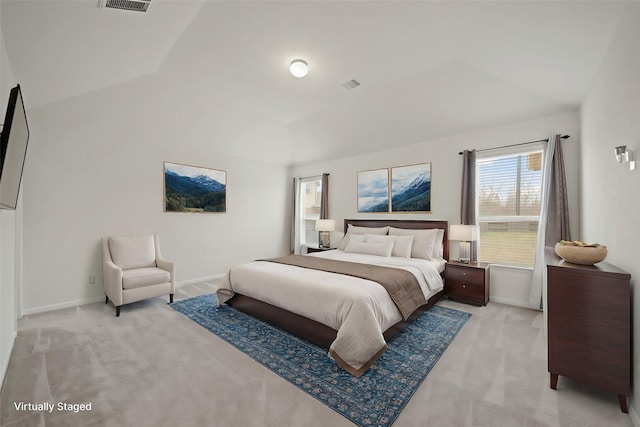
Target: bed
<point>352,315</point>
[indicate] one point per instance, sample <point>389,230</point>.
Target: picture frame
<point>411,188</point>
<point>373,191</point>
<point>194,189</point>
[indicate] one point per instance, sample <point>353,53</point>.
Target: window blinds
<point>508,190</point>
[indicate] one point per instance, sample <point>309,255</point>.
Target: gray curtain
<point>558,216</point>
<point>554,218</point>
<point>468,201</point>
<point>324,198</point>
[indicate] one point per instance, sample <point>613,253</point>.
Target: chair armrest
<point>112,282</point>
<point>170,267</point>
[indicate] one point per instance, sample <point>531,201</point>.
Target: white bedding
<point>360,310</point>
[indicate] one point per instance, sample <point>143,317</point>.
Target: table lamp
<point>325,227</point>
<point>464,234</point>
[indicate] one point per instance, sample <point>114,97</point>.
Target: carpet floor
<point>153,367</point>
<point>374,399</point>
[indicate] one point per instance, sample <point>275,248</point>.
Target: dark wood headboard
<point>404,223</point>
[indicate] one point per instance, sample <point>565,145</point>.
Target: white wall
<point>447,176</point>
<point>610,192</point>
<point>9,239</point>
<point>93,171</point>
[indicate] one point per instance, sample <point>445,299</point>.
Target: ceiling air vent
<point>351,84</point>
<point>134,5</point>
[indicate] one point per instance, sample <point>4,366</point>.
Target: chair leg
<point>118,311</point>
<point>106,299</point>
<point>170,298</point>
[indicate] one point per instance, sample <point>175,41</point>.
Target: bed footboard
<point>308,329</point>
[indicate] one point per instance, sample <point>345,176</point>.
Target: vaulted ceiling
<point>427,69</point>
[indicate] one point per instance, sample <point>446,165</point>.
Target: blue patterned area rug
<point>374,399</point>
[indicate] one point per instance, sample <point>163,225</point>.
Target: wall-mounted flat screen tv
<point>13,149</point>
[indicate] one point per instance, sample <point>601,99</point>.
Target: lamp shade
<point>463,233</point>
<point>325,225</point>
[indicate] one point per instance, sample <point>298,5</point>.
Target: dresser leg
<point>554,380</point>
<point>623,403</point>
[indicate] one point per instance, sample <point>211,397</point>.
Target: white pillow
<point>423,241</point>
<point>359,238</point>
<point>380,249</point>
<point>401,244</point>
<point>353,229</point>
<point>438,250</point>
<point>377,238</point>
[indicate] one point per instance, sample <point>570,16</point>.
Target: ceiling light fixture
<point>299,68</point>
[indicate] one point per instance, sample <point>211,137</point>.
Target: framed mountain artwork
<point>373,190</point>
<point>411,188</point>
<point>194,189</point>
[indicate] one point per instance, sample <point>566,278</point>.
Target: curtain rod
<point>521,143</point>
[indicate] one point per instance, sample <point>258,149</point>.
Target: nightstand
<point>312,249</point>
<point>467,283</point>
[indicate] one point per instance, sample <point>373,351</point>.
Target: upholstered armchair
<point>133,270</point>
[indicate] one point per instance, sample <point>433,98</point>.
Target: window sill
<point>514,267</point>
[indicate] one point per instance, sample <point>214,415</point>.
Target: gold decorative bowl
<point>583,255</point>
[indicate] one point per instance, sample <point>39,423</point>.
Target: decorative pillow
<point>380,249</point>
<point>401,244</point>
<point>352,229</point>
<point>438,250</point>
<point>423,241</point>
<point>133,251</point>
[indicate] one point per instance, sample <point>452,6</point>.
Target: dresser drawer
<point>465,274</point>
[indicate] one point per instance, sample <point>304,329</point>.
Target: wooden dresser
<point>589,321</point>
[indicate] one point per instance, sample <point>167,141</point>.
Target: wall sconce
<point>623,156</point>
<point>324,227</point>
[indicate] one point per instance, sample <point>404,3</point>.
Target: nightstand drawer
<point>465,274</point>
<point>465,291</point>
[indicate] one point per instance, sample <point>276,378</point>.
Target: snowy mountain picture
<point>411,188</point>
<point>373,191</point>
<point>194,189</point>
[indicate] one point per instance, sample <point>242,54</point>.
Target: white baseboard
<point>45,308</point>
<point>201,279</point>
<point>510,302</point>
<point>634,417</point>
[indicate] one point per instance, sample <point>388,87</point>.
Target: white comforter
<point>360,310</point>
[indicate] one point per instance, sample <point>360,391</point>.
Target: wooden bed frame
<point>317,332</point>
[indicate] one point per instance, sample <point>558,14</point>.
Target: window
<point>310,196</point>
<point>508,193</point>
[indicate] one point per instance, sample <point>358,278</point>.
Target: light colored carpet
<point>154,367</point>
